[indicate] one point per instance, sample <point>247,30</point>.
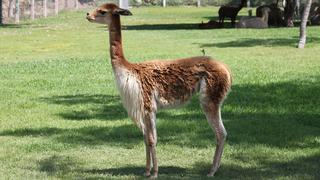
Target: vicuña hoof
<point>147,174</point>
<point>154,176</point>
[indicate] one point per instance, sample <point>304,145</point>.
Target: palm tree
<point>17,12</point>
<point>303,26</point>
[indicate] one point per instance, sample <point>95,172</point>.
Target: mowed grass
<point>61,115</point>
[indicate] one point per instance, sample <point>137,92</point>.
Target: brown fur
<point>255,22</point>
<point>231,12</point>
<point>275,14</point>
<point>179,79</point>
<point>212,24</point>
<point>165,84</point>
<point>314,15</point>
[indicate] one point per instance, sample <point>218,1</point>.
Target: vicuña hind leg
<point>213,116</point>
<point>148,157</point>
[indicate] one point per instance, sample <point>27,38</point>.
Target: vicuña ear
<point>123,12</point>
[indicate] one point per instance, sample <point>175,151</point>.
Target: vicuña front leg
<point>151,142</point>
<point>213,116</point>
<point>148,157</point>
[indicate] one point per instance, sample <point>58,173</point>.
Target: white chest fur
<point>130,90</point>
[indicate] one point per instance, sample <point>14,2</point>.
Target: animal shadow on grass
<point>98,106</point>
<point>20,26</point>
<point>173,26</point>
<point>56,164</point>
<point>182,26</point>
<point>126,136</point>
<point>300,168</point>
<point>136,171</point>
<point>62,165</point>
<point>190,26</point>
<point>251,42</point>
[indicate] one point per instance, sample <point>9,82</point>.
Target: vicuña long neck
<point>116,52</point>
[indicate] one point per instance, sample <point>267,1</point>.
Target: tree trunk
<point>17,12</point>
<point>56,7</point>
<point>289,12</point>
<point>32,10</point>
<point>11,8</point>
<point>1,15</point>
<point>198,3</point>
<point>45,10</point>
<point>4,11</point>
<point>164,3</point>
<point>297,9</point>
<point>303,26</point>
<point>76,4</point>
<point>66,4</point>
<point>124,4</point>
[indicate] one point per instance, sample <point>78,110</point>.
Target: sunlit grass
<point>61,116</point>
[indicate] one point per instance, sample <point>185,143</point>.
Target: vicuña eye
<point>103,12</point>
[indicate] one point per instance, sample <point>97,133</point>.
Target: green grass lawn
<point>61,116</point>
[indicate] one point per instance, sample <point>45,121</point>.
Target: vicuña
<point>148,86</point>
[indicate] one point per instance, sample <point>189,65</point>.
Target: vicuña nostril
<point>87,14</point>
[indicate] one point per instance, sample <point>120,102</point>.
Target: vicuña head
<point>146,87</point>
<point>104,13</point>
